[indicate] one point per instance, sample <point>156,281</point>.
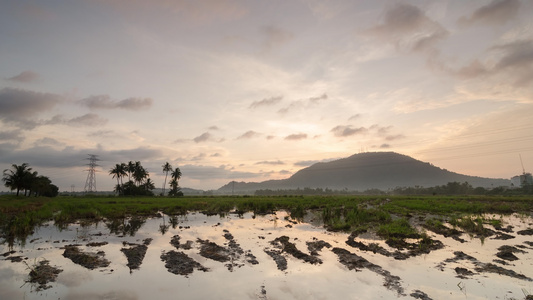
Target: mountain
<point>380,170</point>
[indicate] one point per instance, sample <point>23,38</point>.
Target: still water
<point>249,272</point>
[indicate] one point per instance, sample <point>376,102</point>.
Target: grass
<point>20,215</point>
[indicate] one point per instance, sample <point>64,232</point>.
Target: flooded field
<point>271,256</point>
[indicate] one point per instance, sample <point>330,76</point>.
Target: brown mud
<point>424,246</point>
<point>135,253</point>
<point>42,274</point>
<point>482,267</point>
<point>88,260</point>
<point>355,262</point>
<point>282,243</point>
<point>180,263</point>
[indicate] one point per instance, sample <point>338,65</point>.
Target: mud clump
<point>88,260</point>
<point>417,294</point>
<point>463,272</point>
<point>135,255</point>
<point>507,252</point>
<point>42,273</point>
<point>424,246</point>
<point>280,260</point>
<point>283,243</point>
<point>355,262</point>
<point>503,236</point>
<point>96,244</point>
<point>316,246</point>
<point>481,267</point>
<point>180,264</point>
<point>526,232</point>
<point>439,228</point>
<point>213,251</point>
<point>175,241</point>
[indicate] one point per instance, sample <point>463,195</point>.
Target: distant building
<point>523,180</point>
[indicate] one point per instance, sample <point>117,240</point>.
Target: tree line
<point>22,178</point>
<point>139,182</point>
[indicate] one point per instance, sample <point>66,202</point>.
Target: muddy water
<point>239,257</point>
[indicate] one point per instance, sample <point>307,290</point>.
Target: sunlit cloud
<point>266,102</point>
<point>105,102</point>
<point>497,12</point>
<point>296,137</point>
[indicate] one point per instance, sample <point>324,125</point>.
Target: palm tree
<point>139,173</point>
<point>166,168</point>
<point>118,171</point>
<point>18,177</point>
<point>175,176</point>
<point>130,168</point>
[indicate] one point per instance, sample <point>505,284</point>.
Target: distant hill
<point>379,170</point>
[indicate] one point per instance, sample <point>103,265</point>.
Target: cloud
<point>197,12</point>
<point>354,117</point>
<point>347,130</point>
<point>68,157</point>
<point>17,105</point>
<point>200,172</point>
<point>248,135</point>
<point>275,37</point>
<point>408,28</point>
<point>103,133</point>
<point>394,137</point>
<point>214,128</point>
<point>305,103</point>
<point>12,135</point>
<point>384,146</point>
<point>25,77</point>
<point>266,102</point>
<point>89,119</point>
<point>204,137</point>
<point>270,162</point>
<point>46,141</point>
<point>200,156</point>
<point>296,137</point>
<point>105,102</point>
<point>498,12</point>
<point>511,62</point>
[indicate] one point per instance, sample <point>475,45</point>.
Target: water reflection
<point>268,256</point>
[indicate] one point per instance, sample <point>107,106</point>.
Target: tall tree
<point>166,168</point>
<point>17,178</point>
<point>119,171</point>
<point>175,189</point>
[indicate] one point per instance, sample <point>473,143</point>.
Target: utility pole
<point>90,183</point>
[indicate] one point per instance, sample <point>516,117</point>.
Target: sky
<point>255,90</point>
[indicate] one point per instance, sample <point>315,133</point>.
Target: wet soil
<point>355,262</point>
<point>284,245</point>
<point>42,274</point>
<point>506,252</point>
<point>481,267</point>
<point>526,232</point>
<point>180,263</point>
<point>417,294</point>
<point>279,259</point>
<point>135,254</point>
<point>213,251</point>
<point>445,231</point>
<point>88,260</point>
<point>424,246</point>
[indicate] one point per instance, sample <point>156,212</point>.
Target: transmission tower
<point>90,183</point>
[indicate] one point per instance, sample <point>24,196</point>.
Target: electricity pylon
<point>90,183</point>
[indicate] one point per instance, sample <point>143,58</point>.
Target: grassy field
<point>387,215</point>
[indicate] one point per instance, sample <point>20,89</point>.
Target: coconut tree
<point>175,189</point>
<point>18,177</point>
<point>166,168</point>
<point>119,171</point>
<point>139,173</point>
